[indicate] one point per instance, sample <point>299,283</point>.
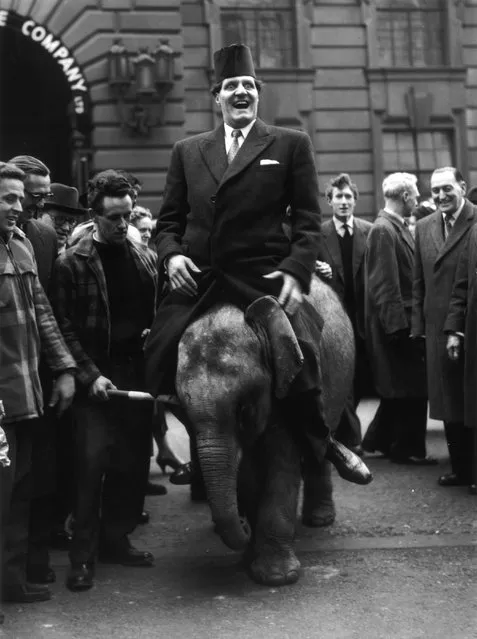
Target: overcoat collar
<point>465,219</point>
<point>212,148</point>
<point>403,230</point>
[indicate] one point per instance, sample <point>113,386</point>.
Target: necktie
<point>448,222</point>
<point>346,230</point>
<point>236,134</point>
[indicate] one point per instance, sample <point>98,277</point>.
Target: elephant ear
<point>267,314</point>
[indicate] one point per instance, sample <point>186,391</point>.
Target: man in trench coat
<point>440,239</point>
<point>397,360</point>
<point>220,234</point>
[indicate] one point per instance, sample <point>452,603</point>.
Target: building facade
<point>380,85</point>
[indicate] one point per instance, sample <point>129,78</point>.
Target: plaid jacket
<point>27,327</point>
<point>80,300</point>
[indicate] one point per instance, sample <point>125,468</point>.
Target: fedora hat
<point>65,198</point>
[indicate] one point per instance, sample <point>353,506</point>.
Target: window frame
<point>454,47</point>
<point>400,126</point>
<point>393,10</point>
<point>303,17</point>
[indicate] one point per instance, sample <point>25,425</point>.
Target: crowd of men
<point>83,297</point>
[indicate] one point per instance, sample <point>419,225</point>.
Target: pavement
<point>399,562</point>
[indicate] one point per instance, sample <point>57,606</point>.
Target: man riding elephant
<point>220,238</point>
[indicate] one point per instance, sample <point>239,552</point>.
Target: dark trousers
<point>15,505</point>
<point>112,442</point>
<point>399,427</point>
<point>460,443</point>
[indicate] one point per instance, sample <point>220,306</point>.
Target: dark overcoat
<point>462,318</point>
<point>330,252</point>
<point>434,274</point>
<point>45,247</point>
<point>230,221</point>
<point>398,366</point>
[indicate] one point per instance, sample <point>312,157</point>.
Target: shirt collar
<point>245,130</point>
<point>339,224</point>
<point>455,215</point>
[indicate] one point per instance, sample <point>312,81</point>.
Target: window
<point>266,26</point>
<point>417,152</point>
<point>411,33</point>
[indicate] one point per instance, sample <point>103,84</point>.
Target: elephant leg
<point>318,505</point>
<point>275,562</point>
<point>250,480</point>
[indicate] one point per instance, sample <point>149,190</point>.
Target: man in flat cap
<point>220,235</point>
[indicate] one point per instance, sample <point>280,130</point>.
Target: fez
<point>233,61</point>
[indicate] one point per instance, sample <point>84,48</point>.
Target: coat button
<point>212,199</point>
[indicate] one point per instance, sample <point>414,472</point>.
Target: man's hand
<point>179,268</point>
<point>291,295</point>
<point>99,388</point>
<point>323,269</point>
<point>453,347</point>
<point>63,393</point>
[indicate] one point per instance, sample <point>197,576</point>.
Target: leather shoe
<point>183,475</point>
<point>128,557</point>
<point>41,575</point>
<point>348,465</point>
<point>451,479</point>
<point>79,577</point>
<point>155,489</point>
<point>415,461</point>
<point>26,593</point>
<point>2,618</point>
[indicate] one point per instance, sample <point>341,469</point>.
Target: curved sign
<point>70,69</point>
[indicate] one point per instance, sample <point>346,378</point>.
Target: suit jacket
<point>230,221</point>
<point>434,275</point>
<point>330,252</point>
<point>229,218</point>
<point>45,248</point>
<point>398,366</point>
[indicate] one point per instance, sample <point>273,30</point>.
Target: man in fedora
<point>61,211</point>
<point>220,236</point>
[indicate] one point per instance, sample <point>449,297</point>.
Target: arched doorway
<point>36,113</point>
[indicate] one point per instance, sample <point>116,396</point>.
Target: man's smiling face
<point>238,99</point>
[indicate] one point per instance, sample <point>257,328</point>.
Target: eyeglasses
<point>40,196</point>
<point>64,219</point>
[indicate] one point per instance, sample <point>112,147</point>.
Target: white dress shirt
<point>340,225</point>
<point>241,139</point>
<point>453,217</point>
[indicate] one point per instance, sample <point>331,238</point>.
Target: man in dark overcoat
<point>220,232</point>
<point>397,360</point>
<point>343,248</point>
<point>461,328</point>
<point>440,239</point>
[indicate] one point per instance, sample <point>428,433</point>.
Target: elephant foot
<point>321,516</point>
<point>275,570</point>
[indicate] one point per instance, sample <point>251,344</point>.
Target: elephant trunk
<point>219,459</point>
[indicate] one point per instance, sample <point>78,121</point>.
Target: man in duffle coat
<point>220,236</point>
<point>440,239</point>
<point>397,360</point>
<point>343,248</point>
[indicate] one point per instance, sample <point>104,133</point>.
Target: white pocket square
<point>263,162</point>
